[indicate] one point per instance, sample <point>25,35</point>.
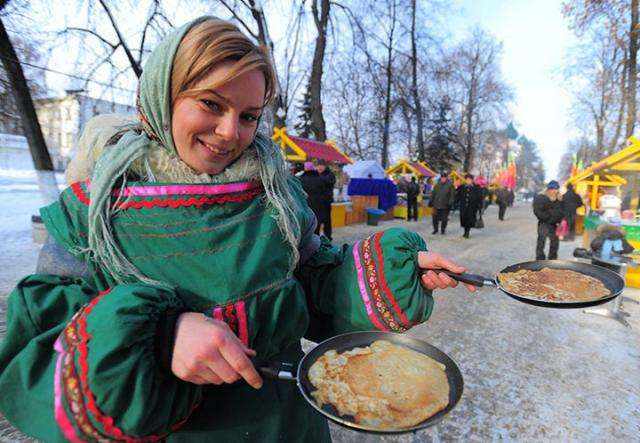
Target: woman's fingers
<point>235,355</point>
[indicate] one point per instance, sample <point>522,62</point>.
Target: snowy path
<point>531,374</point>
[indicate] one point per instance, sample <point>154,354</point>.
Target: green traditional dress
<point>89,359</point>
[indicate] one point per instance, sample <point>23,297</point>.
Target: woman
<point>469,201</point>
<point>198,254</point>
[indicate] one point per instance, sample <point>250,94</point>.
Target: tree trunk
<point>315,83</point>
<point>22,96</point>
<point>633,69</point>
<point>387,104</point>
<point>416,96</point>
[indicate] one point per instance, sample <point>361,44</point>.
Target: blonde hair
<point>210,43</point>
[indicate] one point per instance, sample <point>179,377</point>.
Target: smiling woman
<point>200,253</point>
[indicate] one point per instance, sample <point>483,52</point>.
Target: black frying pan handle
<point>275,370</point>
<point>464,277</point>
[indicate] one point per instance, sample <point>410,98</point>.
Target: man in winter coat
<point>442,198</point>
<point>548,208</point>
<point>502,198</point>
<point>413,190</point>
<point>314,186</point>
<point>329,180</point>
<point>570,203</point>
<point>469,201</point>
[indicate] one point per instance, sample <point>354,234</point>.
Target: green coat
<point>88,359</point>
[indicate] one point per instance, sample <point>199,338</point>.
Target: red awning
<point>319,150</point>
<point>424,171</point>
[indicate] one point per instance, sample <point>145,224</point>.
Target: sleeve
<point>540,209</point>
<point>371,284</point>
<point>80,366</point>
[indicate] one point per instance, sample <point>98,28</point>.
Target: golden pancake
<point>553,285</point>
<point>384,386</point>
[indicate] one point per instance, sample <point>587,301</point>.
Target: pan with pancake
<point>611,280</point>
<point>349,341</point>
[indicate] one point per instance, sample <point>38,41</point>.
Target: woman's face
<point>211,129</point>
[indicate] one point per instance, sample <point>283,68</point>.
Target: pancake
<point>553,285</point>
<point>384,386</point>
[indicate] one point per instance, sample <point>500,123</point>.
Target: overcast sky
<point>535,40</point>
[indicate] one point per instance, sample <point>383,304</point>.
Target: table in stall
<point>632,235</point>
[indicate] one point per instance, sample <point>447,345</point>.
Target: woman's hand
<point>207,351</point>
<point>433,279</point>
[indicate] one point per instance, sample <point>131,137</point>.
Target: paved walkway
<point>531,374</point>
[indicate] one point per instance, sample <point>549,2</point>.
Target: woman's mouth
<point>217,152</point>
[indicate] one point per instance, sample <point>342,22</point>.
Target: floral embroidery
<point>374,287</point>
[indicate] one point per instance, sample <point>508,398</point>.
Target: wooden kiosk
<point>408,168</point>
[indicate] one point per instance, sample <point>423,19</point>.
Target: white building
<point>61,120</point>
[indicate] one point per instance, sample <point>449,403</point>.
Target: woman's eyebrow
<point>227,102</point>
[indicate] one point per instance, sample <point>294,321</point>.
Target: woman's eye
<point>250,118</point>
<point>211,105</point>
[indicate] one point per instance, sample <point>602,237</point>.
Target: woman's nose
<point>227,128</point>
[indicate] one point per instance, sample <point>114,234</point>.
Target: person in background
<point>502,199</point>
<point>313,185</point>
<point>481,184</point>
<point>548,209</point>
<point>512,198</point>
<point>442,198</point>
<point>413,190</point>
<point>469,201</point>
<point>329,180</point>
<point>571,201</point>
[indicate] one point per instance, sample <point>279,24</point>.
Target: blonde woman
<point>189,249</point>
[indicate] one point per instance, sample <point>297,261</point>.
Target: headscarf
<point>135,143</point>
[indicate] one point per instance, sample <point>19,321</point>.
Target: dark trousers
<point>324,219</point>
<point>545,231</point>
<point>440,216</point>
<point>571,220</point>
<point>501,210</point>
<point>412,209</point>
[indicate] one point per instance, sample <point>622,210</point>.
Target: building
<point>61,120</point>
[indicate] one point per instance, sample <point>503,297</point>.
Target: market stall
<point>401,171</point>
<point>300,150</point>
<point>617,173</point>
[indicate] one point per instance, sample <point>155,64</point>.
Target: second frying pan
<point>346,342</point>
<point>612,281</point>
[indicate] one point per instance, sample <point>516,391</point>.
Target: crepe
<point>383,386</point>
<point>553,285</point>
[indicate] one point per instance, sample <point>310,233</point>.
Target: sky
<point>535,39</point>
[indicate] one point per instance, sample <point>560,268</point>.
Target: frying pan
<point>611,280</point>
<point>346,342</point>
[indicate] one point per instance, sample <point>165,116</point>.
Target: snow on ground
<point>531,374</point>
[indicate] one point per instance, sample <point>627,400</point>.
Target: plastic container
<point>373,216</point>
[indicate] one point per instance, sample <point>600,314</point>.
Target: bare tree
<point>478,95</point>
<point>321,21</point>
<point>24,103</point>
<point>414,78</point>
<point>618,18</point>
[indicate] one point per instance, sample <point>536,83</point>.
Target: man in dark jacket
<point>314,186</point>
<point>469,201</point>
<point>502,199</point>
<point>442,198</point>
<point>548,209</point>
<point>413,190</point>
<point>570,203</point>
<point>329,180</point>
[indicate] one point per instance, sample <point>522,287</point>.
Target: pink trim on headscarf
<point>217,313</point>
<point>363,289</point>
<point>60,415</point>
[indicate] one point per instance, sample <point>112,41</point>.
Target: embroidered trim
<point>363,289</point>
<point>237,320</point>
<point>253,190</point>
<point>59,412</point>
<point>374,288</point>
<point>77,338</point>
<point>383,282</point>
<point>168,190</point>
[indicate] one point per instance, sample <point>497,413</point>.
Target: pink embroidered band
<point>363,289</point>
